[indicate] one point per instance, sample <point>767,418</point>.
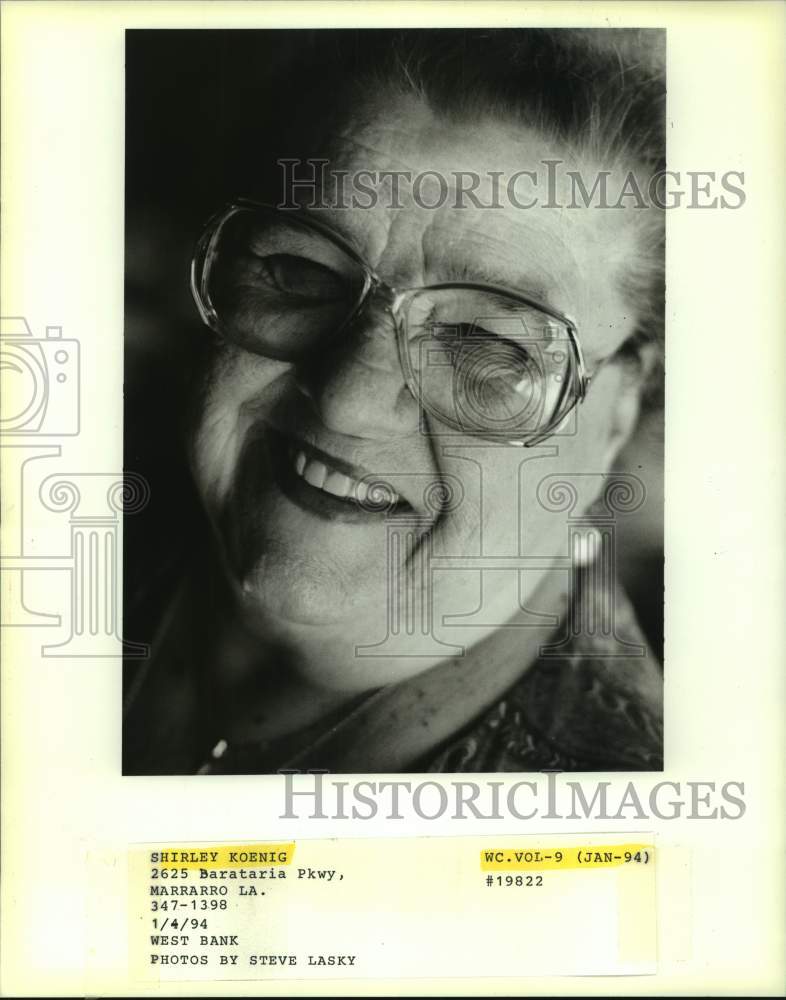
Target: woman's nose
<point>356,385</point>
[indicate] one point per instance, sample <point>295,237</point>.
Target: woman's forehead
<point>407,130</point>
<point>421,224</point>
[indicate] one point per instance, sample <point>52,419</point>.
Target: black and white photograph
<point>394,366</point>
<point>392,498</point>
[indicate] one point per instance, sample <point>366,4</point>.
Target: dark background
<point>205,115</point>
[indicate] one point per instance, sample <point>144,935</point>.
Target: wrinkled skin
<point>318,585</point>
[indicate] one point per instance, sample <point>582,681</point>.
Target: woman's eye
<point>475,330</point>
<point>469,333</point>
<point>471,340</point>
<point>302,278</point>
<point>457,332</point>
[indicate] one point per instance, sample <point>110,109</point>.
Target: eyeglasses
<point>479,359</point>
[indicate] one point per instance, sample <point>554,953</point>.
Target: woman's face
<point>275,442</point>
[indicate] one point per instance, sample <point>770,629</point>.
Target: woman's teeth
<point>322,477</point>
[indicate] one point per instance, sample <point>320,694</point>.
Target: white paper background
<point>68,814</point>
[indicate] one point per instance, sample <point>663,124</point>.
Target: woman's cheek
<point>232,394</point>
<point>214,454</point>
<point>217,436</point>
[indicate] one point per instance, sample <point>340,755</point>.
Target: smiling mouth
<point>327,478</point>
<point>330,487</point>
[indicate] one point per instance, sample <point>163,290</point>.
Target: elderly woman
<point>427,342</point>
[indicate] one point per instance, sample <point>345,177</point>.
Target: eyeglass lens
<point>477,360</point>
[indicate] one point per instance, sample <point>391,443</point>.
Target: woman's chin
<point>279,594</point>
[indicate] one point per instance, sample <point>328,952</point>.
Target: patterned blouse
<point>588,702</point>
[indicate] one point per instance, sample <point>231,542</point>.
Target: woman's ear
<point>633,372</point>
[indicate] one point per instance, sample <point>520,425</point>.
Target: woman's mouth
<point>323,476</point>
<point>328,486</point>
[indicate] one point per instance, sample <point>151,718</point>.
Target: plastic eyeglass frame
<point>373,287</point>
